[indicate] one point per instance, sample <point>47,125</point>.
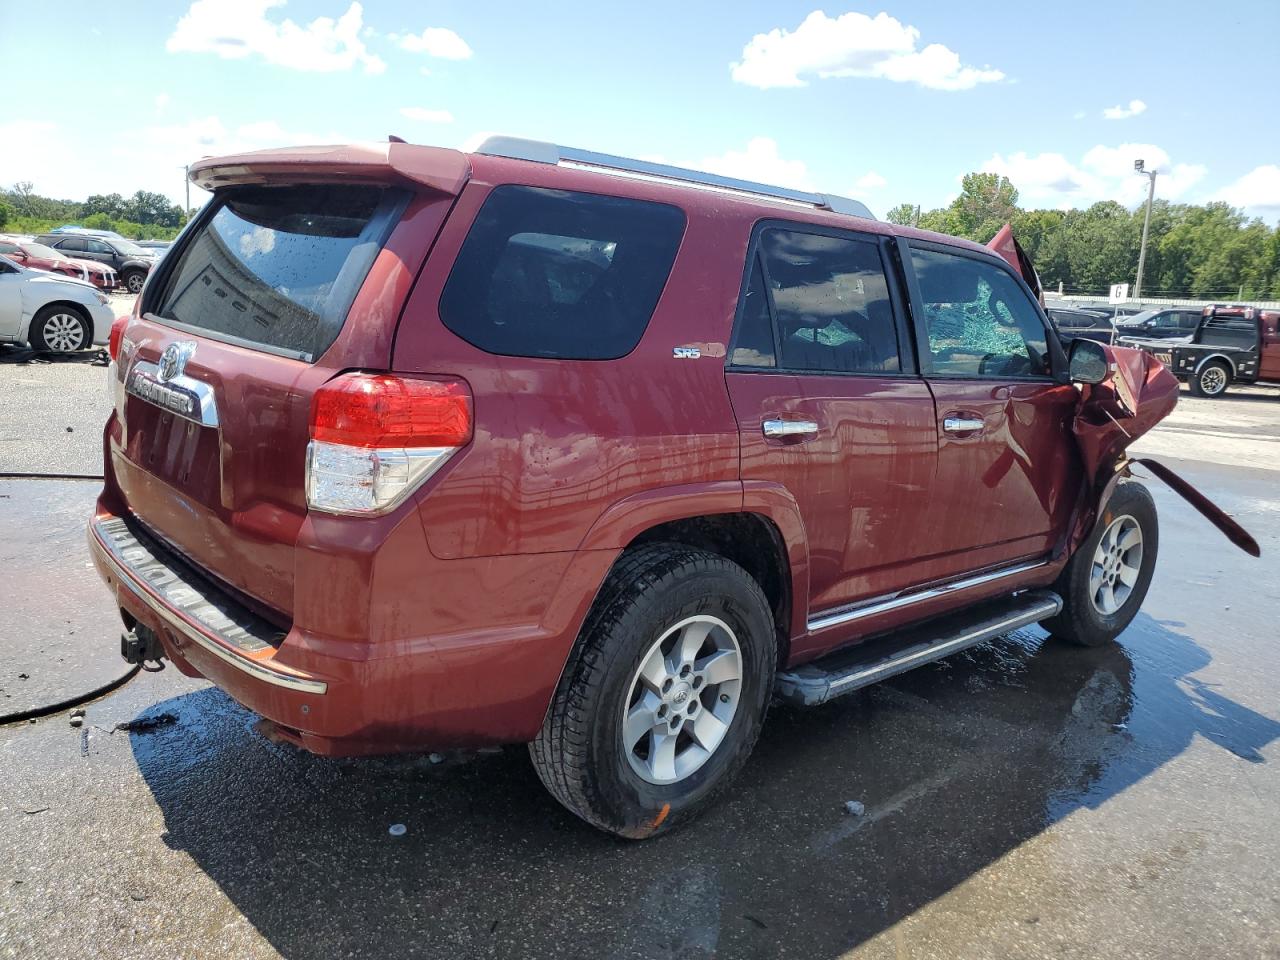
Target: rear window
<point>552,273</point>
<point>278,267</point>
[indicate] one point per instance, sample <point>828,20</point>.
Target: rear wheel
<point>1211,380</point>
<point>60,328</point>
<point>664,697</point>
<point>1105,582</point>
<point>134,279</point>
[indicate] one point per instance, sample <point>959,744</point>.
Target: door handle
<point>963,424</point>
<point>789,428</point>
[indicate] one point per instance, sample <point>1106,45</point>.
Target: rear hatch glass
<point>277,267</point>
<point>219,383</point>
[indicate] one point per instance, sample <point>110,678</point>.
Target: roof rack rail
<point>516,148</point>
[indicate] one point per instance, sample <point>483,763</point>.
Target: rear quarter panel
<point>557,442</point>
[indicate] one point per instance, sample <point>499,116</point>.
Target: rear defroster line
<point>15,475</point>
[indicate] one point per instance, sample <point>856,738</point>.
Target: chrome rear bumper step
<point>876,660</point>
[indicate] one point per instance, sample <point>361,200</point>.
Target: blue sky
<point>889,102</point>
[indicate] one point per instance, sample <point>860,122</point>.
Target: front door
<point>1269,345</point>
<point>1007,465</point>
<point>829,406</point>
<point>10,301</point>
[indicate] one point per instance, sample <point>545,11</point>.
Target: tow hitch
<point>140,645</point>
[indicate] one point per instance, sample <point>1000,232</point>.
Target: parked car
<point>1228,344</point>
<point>413,449</point>
<point>37,256</point>
<point>76,228</point>
<point>129,260</point>
<point>50,311</point>
<point>1158,324</point>
<point>1072,324</point>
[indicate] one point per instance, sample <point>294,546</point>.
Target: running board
<point>876,660</point>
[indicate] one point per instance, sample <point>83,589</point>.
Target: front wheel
<point>59,328</point>
<point>1211,380</point>
<point>1105,581</point>
<point>133,281</point>
<point>663,699</point>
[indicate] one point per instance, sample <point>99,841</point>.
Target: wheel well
<point>76,308</point>
<point>1220,358</point>
<point>751,541</point>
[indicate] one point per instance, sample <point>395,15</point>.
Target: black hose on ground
<point>37,712</point>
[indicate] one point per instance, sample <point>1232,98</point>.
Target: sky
<point>888,102</point>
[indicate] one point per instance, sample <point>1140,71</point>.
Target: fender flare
<point>1216,356</point>
<point>626,519</point>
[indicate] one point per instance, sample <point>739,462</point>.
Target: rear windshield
<point>552,273</point>
<point>278,267</point>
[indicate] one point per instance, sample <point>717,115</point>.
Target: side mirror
<point>1087,361</point>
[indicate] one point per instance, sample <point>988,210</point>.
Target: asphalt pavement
<point>1024,799</point>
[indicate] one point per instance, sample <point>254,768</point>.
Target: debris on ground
<point>854,808</point>
<point>77,717</point>
<point>146,724</point>
<point>398,830</point>
<point>32,811</point>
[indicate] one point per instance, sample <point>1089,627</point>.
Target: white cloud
<point>1258,192</point>
<point>1078,115</point>
<point>760,161</point>
<point>853,45</point>
<point>161,101</point>
<point>870,181</point>
<point>1103,173</point>
<point>436,42</point>
<point>1121,112</point>
<point>425,115</point>
<point>238,29</point>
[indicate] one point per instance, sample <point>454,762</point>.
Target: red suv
<point>419,449</point>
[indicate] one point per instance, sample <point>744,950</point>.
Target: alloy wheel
<point>1213,380</point>
<point>63,332</point>
<point>1117,564</point>
<point>682,700</point>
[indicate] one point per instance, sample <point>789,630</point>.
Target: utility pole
<point>186,182</point>
<point>1140,167</point>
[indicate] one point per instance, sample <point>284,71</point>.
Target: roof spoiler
<point>440,169</point>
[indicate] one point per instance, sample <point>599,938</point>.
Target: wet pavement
<point>1025,799</point>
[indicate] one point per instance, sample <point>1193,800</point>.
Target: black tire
<point>1081,621</point>
<point>133,280</point>
<point>1218,375</point>
<point>579,754</point>
<point>50,329</point>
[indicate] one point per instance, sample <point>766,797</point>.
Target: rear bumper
<point>436,688</point>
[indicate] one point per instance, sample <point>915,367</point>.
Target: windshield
<point>40,250</point>
<point>129,247</point>
<point>1137,317</point>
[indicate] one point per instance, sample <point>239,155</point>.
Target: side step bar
<point>876,660</point>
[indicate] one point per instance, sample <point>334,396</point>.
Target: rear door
<point>275,291</point>
<point>829,406</point>
<point>1007,470</point>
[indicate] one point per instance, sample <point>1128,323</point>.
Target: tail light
<point>375,438</point>
<point>117,334</point>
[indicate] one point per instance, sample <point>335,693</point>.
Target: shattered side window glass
<point>980,322</point>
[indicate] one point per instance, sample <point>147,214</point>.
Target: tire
<point>60,328</point>
<point>1218,377</point>
<point>1091,616</point>
<point>658,597</point>
<point>133,280</point>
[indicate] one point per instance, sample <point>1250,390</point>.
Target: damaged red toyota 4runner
<point>415,449</point>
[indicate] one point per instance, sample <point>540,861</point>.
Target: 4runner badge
<point>687,353</point>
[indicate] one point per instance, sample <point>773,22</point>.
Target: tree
<point>987,202</point>
<point>144,207</point>
<point>6,214</point>
<point>111,204</point>
<point>904,214</point>
<point>23,191</point>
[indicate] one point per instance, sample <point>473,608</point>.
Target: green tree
<point>904,214</point>
<point>111,204</point>
<point>145,207</point>
<point>987,202</point>
<point>6,214</point>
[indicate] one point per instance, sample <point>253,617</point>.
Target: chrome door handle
<point>789,428</point>
<point>962,424</point>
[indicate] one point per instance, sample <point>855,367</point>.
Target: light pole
<point>186,182</point>
<point>1141,167</point>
